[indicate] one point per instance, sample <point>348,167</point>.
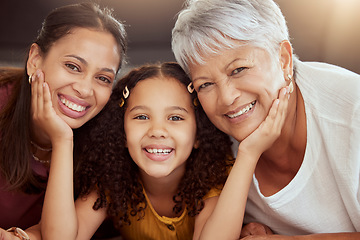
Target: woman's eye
<point>72,67</point>
<point>175,118</point>
<point>237,70</point>
<point>141,117</point>
<point>105,79</point>
<point>204,85</point>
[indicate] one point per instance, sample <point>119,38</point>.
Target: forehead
<point>163,90</point>
<point>223,58</point>
<point>92,45</point>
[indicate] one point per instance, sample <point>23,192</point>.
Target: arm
<point>60,218</point>
<point>227,217</point>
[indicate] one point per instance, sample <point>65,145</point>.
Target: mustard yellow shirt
<point>156,227</point>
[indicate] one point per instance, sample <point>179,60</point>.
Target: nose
<point>157,129</point>
<point>228,93</point>
<point>84,86</point>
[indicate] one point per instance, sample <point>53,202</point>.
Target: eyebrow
<point>226,67</point>
<point>141,107</point>
<point>83,61</point>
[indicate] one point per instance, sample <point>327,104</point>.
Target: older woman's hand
<point>255,228</point>
<point>270,129</point>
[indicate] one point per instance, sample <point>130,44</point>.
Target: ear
<point>286,56</point>
<point>34,60</point>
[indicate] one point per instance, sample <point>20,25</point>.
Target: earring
<point>121,104</point>
<point>291,84</point>
<point>190,87</point>
<point>126,92</point>
<point>30,78</point>
<point>196,102</point>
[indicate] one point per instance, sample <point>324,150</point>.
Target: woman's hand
<point>270,129</point>
<point>255,228</point>
<point>5,235</point>
<point>43,113</point>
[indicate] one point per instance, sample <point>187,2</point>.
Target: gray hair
<point>205,27</point>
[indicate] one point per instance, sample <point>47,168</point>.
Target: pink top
<point>18,209</point>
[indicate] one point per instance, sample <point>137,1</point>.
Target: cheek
<point>103,97</point>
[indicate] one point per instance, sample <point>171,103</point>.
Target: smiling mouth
<point>242,111</point>
<point>158,151</point>
<point>72,106</point>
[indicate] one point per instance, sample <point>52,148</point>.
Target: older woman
<point>238,55</point>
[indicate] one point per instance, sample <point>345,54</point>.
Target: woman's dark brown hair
<point>15,116</point>
<point>108,168</point>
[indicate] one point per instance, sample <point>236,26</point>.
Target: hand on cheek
<point>43,114</point>
<point>270,129</point>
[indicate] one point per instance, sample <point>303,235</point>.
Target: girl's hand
<point>44,116</point>
<point>270,129</point>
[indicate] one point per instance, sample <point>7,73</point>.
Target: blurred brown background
<point>321,30</point>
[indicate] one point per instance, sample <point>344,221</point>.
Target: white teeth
<point>158,151</point>
<point>242,111</point>
<point>72,105</point>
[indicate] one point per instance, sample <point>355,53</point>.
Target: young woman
<point>67,80</point>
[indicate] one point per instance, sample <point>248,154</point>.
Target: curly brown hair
<point>105,164</point>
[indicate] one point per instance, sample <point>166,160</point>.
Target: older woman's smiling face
<point>237,87</point>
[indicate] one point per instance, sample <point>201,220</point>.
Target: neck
<point>162,186</point>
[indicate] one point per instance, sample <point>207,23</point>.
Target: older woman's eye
<point>204,85</point>
<point>238,70</point>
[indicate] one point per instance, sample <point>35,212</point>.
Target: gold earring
<point>190,87</point>
<point>126,92</point>
<point>121,104</point>
<point>291,84</point>
<point>30,78</point>
<point>196,102</point>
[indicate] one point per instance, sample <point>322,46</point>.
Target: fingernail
<point>277,101</point>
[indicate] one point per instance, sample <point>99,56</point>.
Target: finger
<point>40,91</point>
<point>47,96</point>
<point>282,108</point>
<point>34,95</point>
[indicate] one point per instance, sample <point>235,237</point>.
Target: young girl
<point>150,161</point>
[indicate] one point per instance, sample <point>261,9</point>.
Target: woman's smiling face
<point>237,87</point>
<point>80,69</point>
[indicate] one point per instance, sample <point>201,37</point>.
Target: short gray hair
<point>206,26</point>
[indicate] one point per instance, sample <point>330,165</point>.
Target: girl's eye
<point>238,70</point>
<point>105,79</point>
<point>175,118</point>
<point>141,117</point>
<point>72,67</point>
<point>204,85</point>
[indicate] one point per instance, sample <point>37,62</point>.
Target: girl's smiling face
<point>160,126</point>
<point>80,69</point>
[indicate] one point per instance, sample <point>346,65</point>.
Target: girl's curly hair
<point>105,165</point>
